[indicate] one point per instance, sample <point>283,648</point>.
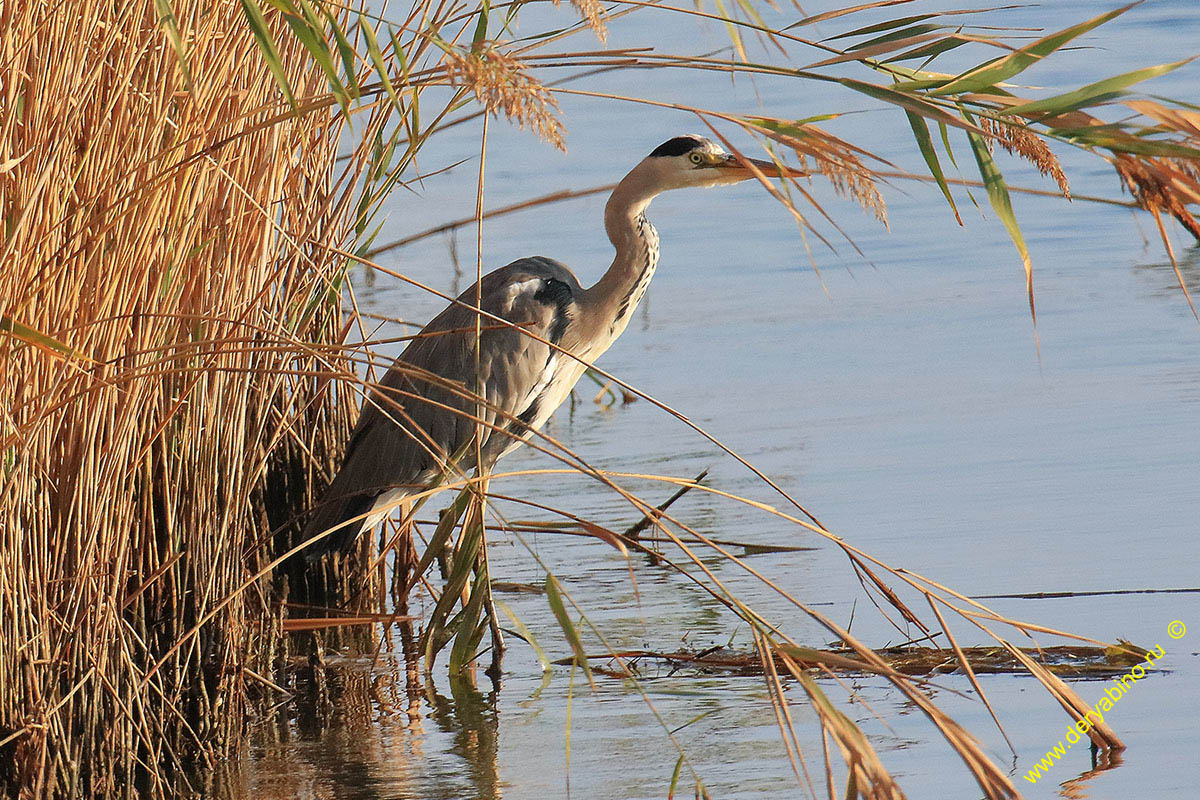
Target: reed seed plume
<point>821,152</point>
<point>1167,185</point>
<point>502,84</point>
<point>1024,143</point>
<point>592,12</point>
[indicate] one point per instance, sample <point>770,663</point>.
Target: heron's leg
<point>442,555</point>
<point>402,558</point>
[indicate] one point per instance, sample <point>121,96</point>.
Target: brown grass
<point>155,231</point>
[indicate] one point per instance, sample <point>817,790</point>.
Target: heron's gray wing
<point>424,409</point>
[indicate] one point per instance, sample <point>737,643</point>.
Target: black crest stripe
<point>676,147</point>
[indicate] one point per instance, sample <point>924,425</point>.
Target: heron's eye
<point>696,158</point>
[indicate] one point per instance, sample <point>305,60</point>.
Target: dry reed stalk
<point>145,215</point>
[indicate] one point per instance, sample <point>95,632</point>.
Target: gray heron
<point>431,402</point>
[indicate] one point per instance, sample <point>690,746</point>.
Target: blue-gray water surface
<point>901,397</point>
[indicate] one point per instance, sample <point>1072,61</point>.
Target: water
<point>904,403</point>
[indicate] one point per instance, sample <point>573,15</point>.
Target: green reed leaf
<point>675,778</point>
<point>883,26</point>
<point>266,45</point>
<point>481,26</point>
<point>469,629</point>
<point>376,56</point>
<point>441,534</point>
<point>1005,67</point>
<point>38,339</point>
<point>910,102</point>
<point>1094,92</point>
<point>526,635</point>
<point>921,131</point>
<point>997,192</point>
<point>313,38</point>
<point>166,18</point>
<point>902,34</point>
<point>943,45</point>
<point>439,631</point>
<point>347,53</point>
<point>568,628</point>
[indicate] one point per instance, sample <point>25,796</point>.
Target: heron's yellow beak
<point>745,168</point>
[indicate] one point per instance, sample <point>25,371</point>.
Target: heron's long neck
<point>619,291</point>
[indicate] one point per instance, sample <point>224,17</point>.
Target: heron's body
<point>427,407</point>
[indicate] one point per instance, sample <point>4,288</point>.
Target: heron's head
<point>693,160</point>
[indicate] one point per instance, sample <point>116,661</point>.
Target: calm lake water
<point>904,404</point>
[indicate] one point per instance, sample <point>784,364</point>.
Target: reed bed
<point>184,190</point>
<point>155,429</point>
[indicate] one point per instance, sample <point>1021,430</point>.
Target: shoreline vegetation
<point>162,401</point>
<point>185,189</point>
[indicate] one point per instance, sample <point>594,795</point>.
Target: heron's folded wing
<point>427,407</point>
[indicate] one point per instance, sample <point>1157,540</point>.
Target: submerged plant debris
<point>1065,661</point>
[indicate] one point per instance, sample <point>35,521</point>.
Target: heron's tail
<point>332,512</point>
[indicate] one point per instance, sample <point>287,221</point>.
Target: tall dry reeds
<point>157,419</point>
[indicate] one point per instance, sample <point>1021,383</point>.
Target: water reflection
<point>473,720</point>
<point>1165,283</point>
<point>1077,788</point>
<point>354,731</point>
